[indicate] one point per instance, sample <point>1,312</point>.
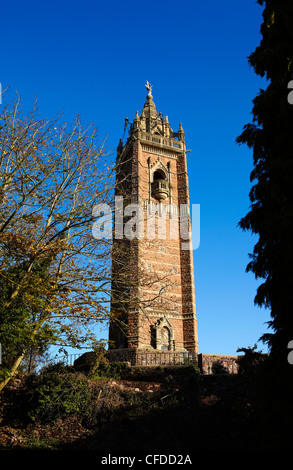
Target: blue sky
<point>94,57</point>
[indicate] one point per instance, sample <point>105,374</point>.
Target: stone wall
<point>206,361</point>
<point>122,355</point>
<point>165,358</point>
<point>145,358</point>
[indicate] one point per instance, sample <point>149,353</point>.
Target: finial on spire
<point>181,133</point>
<point>149,88</point>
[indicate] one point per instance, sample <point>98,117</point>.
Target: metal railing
<point>165,358</point>
<point>66,360</point>
<point>140,358</point>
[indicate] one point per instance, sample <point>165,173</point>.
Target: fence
<point>136,358</point>
<point>164,358</point>
<point>66,360</point>
<point>155,358</point>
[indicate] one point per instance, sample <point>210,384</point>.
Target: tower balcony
<point>161,141</point>
<point>160,189</point>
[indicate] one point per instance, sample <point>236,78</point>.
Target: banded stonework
<point>153,293</point>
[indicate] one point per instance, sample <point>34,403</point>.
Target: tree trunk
<point>12,371</point>
<point>18,360</point>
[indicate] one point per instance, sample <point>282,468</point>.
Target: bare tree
<point>51,265</point>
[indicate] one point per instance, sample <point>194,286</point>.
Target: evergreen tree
<point>271,196</point>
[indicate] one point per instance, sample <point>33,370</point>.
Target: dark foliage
<point>219,368</point>
<point>271,196</point>
<point>62,409</point>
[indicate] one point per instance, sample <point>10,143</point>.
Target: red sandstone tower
<point>153,299</point>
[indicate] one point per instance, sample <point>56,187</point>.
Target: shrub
<point>219,368</point>
<point>250,362</point>
<point>105,405</point>
<point>109,370</point>
<point>58,396</point>
<point>58,368</point>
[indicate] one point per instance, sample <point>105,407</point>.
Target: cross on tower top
<point>149,87</point>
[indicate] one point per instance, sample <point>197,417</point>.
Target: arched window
<point>159,175</point>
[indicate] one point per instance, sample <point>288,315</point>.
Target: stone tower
<point>153,299</point>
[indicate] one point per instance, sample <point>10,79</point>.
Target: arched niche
<point>164,335</point>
